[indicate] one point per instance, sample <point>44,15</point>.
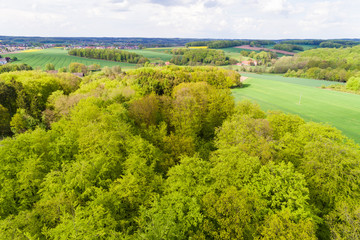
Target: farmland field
<point>305,98</point>
<point>59,57</point>
<point>234,52</point>
<point>152,55</point>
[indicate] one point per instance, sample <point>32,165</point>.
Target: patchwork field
<point>305,98</point>
<point>234,52</point>
<point>265,49</point>
<point>153,55</point>
<point>60,58</point>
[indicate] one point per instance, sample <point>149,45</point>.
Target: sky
<point>225,19</point>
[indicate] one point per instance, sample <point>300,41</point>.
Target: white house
<point>3,61</point>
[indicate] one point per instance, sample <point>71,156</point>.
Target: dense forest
<point>14,67</point>
<point>229,43</point>
<point>262,57</point>
<point>329,64</point>
<point>185,56</point>
<point>109,54</point>
<point>96,41</point>
<point>335,43</point>
<point>352,85</point>
<point>288,47</point>
<point>165,153</point>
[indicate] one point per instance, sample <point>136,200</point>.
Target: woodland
<point>166,153</point>
<point>109,54</point>
<point>185,56</point>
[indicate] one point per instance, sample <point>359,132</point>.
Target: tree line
<point>24,95</point>
<point>166,153</point>
<point>185,56</point>
<point>262,58</point>
<point>14,67</point>
<point>288,47</point>
<point>109,54</point>
<point>229,43</point>
<point>327,64</point>
<point>335,43</point>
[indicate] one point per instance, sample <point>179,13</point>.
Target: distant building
<point>248,63</point>
<point>79,74</point>
<point>3,61</point>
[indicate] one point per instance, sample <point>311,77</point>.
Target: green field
<point>60,58</point>
<point>305,98</point>
<point>235,52</point>
<point>152,55</point>
<point>162,49</point>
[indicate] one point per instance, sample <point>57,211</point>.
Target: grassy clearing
<point>300,81</point>
<point>152,55</point>
<point>305,98</point>
<point>60,58</point>
<point>161,49</point>
<point>235,52</point>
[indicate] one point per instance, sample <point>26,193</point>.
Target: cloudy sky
<point>265,19</point>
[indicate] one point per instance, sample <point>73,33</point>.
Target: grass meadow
<point>305,98</point>
<point>60,58</point>
<point>153,55</point>
<point>235,53</point>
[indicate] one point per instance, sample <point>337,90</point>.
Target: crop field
<point>59,57</point>
<point>201,47</point>
<point>31,50</point>
<point>162,49</point>
<point>152,55</point>
<point>234,52</point>
<point>305,98</point>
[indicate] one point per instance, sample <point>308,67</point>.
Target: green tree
<point>235,214</point>
<point>282,225</point>
<point>77,68</point>
<point>344,220</point>
<point>8,97</point>
<point>253,136</point>
<point>49,67</point>
<point>4,121</point>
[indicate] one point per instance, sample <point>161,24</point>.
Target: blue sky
<point>257,19</point>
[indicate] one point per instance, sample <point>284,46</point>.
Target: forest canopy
<point>326,63</point>
<point>109,54</point>
<point>184,56</point>
<point>166,153</point>
<point>229,43</point>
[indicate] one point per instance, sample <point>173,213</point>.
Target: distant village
<point>101,47</point>
<point>14,48</point>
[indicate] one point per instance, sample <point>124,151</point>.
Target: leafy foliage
<point>330,64</point>
<point>288,47</point>
<point>109,54</point>
<point>165,153</point>
<point>229,43</point>
<point>199,56</point>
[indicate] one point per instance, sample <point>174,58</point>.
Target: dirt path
<point>243,78</point>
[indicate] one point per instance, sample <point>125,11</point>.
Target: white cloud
<point>322,15</point>
<point>273,5</point>
<point>182,18</point>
